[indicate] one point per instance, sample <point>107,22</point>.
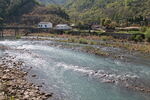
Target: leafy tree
<point>1,21</point>
<point>4,4</point>
<point>127,11</point>
<point>106,22</point>
<point>13,9</point>
<point>147,35</point>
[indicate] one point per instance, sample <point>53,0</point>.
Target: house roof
<point>44,22</point>
<point>62,25</point>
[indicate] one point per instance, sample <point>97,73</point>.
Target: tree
<point>4,4</point>
<point>147,35</point>
<point>1,21</point>
<point>13,9</point>
<point>106,22</point>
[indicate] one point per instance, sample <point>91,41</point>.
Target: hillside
<point>30,12</point>
<point>96,10</point>
<point>114,9</point>
<point>11,11</point>
<point>80,11</point>
<point>50,13</point>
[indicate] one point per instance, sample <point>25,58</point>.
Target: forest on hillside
<point>30,12</point>
<point>11,10</point>
<point>133,11</point>
<point>124,12</point>
<point>128,12</point>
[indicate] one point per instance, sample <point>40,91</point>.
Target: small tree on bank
<point>106,22</point>
<point>1,21</point>
<point>147,35</point>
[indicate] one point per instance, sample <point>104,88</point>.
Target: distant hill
<point>98,9</point>
<point>12,10</point>
<point>30,12</point>
<point>113,9</point>
<point>78,10</point>
<point>51,13</point>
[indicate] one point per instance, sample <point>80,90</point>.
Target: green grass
<point>83,41</point>
<point>130,32</point>
<point>147,35</point>
<point>144,48</point>
<point>106,38</point>
<point>18,36</point>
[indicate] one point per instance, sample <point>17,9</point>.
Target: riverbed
<point>77,75</point>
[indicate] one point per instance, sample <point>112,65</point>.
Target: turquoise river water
<point>73,75</point>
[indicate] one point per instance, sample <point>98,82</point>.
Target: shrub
<point>147,34</point>
<point>143,29</point>
<point>93,43</point>
<point>83,41</point>
<point>18,37</point>
<point>137,38</point>
<point>105,38</point>
<point>72,40</point>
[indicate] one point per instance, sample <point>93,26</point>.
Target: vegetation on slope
<point>124,12</point>
<point>30,12</point>
<point>51,13</point>
<point>132,10</point>
<point>12,10</point>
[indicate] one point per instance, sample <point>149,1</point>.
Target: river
<point>74,75</point>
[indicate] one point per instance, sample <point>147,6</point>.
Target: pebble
<point>13,83</point>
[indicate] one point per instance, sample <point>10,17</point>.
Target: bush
<point>143,29</point>
<point>147,34</point>
<point>105,38</point>
<point>72,40</point>
<point>83,41</point>
<point>137,38</point>
<point>18,37</point>
<point>93,43</point>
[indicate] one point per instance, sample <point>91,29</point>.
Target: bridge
<point>16,29</point>
<point>27,30</point>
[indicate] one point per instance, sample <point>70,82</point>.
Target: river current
<point>74,75</point>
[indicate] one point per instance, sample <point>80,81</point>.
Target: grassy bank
<point>108,41</point>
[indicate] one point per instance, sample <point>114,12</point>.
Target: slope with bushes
<point>30,12</point>
<point>51,13</point>
<point>12,10</point>
<point>95,10</point>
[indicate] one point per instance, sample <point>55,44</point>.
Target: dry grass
<point>131,46</point>
<point>42,34</point>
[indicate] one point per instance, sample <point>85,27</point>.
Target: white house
<point>63,27</point>
<point>45,25</point>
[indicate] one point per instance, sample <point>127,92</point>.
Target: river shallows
<point>79,76</point>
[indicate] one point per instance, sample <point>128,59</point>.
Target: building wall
<point>65,27</point>
<point>45,25</point>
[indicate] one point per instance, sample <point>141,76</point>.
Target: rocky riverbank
<point>13,83</point>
